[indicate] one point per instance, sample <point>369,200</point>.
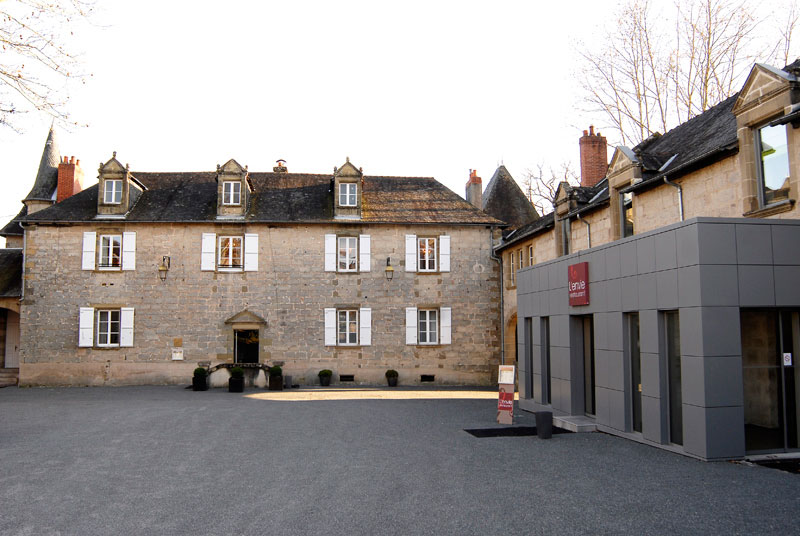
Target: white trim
<point>411,253</point>
<point>445,325</point>
<point>113,191</point>
<point>89,251</point>
<point>86,327</point>
<point>444,253</point>
<point>231,257</point>
<point>432,259</point>
<point>207,252</point>
<point>129,251</point>
<point>330,252</point>
<point>364,258</point>
<point>101,257</point>
<point>348,321</point>
<point>365,326</point>
<point>235,197</point>
<point>435,331</point>
<point>347,258</point>
<point>330,327</point>
<point>250,252</point>
<point>411,325</point>
<point>126,326</point>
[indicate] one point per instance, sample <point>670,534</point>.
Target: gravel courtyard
<point>165,460</point>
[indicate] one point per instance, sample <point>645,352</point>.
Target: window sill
<point>96,347</point>
<point>348,346</point>
<point>434,345</point>
<point>109,268</point>
<point>429,272</point>
<point>230,270</point>
<point>770,210</point>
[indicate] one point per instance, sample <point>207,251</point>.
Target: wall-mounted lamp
<point>163,268</point>
<point>389,271</point>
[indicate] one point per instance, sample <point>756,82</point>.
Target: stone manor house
<point>140,277</point>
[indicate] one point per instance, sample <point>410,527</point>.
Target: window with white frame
<point>110,252</point>
<point>530,255</point>
<point>112,191</point>
<point>521,259</point>
<point>230,252</point>
<point>108,327</point>
<point>347,254</point>
<point>428,325</point>
<point>512,268</point>
<point>428,331</point>
<point>347,327</point>
<point>772,150</point>
<point>426,259</point>
<point>231,193</point>
<point>348,194</point>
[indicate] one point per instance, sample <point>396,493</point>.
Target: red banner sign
<point>578,283</point>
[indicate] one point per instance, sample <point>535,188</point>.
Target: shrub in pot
<point>200,379</point>
<point>236,381</point>
<point>275,378</point>
<point>391,377</point>
<point>325,377</point>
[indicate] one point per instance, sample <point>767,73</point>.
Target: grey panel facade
<point>705,269</point>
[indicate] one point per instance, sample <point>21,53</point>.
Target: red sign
<point>578,284</point>
<point>505,400</point>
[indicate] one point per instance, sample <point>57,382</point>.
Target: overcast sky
<point>404,88</point>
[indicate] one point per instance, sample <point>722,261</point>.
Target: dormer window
<point>348,194</point>
<point>773,169</point>
<point>231,193</point>
<point>112,191</point>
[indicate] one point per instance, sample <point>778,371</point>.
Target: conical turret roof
<point>47,176</point>
<point>504,200</point>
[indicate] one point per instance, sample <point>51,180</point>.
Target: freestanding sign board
<point>505,401</point>
<point>578,283</point>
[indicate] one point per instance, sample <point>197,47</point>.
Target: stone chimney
<point>70,178</point>
<point>594,157</point>
<point>474,189</point>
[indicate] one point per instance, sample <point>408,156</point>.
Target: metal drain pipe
<point>680,195</point>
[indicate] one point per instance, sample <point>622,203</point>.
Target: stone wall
<point>290,291</point>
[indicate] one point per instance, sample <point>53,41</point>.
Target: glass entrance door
<point>246,347</point>
<point>771,377</point>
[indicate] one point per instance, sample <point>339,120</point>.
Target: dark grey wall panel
<point>613,266</point>
<point>647,291</point>
<point>665,251</point>
<point>716,243</point>
<point>753,244</point>
<point>628,258</point>
<point>630,293</point>
<point>719,285</point>
<point>616,370</point>
<point>756,286</point>
<point>787,285</point>
<point>651,375</point>
<point>687,245</point>
<point>785,244</point>
<point>645,255</point>
<point>667,289</point>
<point>652,426</point>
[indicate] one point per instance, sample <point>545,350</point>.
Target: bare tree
<point>540,187</point>
<point>37,59</point>
<point>657,69</point>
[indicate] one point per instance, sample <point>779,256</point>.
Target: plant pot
<point>324,381</point>
<point>392,381</point>
<point>276,383</point>
<point>235,385</point>
<point>199,383</point>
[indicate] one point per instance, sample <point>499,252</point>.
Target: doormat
<point>510,431</point>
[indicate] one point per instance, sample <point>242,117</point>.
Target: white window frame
<point>350,255</point>
<point>521,260</point>
<point>513,269</point>
<point>108,332</point>
<point>428,332</point>
<point>430,257</point>
<point>115,191</point>
<point>530,255</point>
<point>231,196</point>
<point>106,251</point>
<point>350,319</point>
<point>230,268</point>
<point>348,194</point>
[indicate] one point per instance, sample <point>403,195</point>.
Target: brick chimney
<point>70,178</point>
<point>594,157</point>
<point>474,189</point>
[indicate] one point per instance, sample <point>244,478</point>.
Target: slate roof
<point>504,200</point>
<point>10,273</point>
<point>13,228</point>
<point>278,197</point>
<point>47,177</point>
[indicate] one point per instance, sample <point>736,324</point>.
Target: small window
<point>231,193</point>
<point>347,328</point>
<point>426,260</point>
<point>626,203</point>
<point>530,255</point>
<point>112,192</point>
<point>110,252</point>
<point>566,230</point>
<point>428,330</point>
<point>108,327</point>
<point>348,248</point>
<point>773,169</point>
<point>230,252</point>
<point>512,269</point>
<point>347,194</point>
<point>521,259</point>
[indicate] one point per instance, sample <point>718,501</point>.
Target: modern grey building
<point>689,341</point>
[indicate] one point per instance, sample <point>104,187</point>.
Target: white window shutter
<point>364,253</point>
<point>330,327</point>
<point>209,252</point>
<point>89,245</point>
<point>444,253</point>
<point>126,326</point>
<point>411,325</point>
<point>411,253</point>
<point>86,327</point>
<point>251,252</point>
<point>365,326</point>
<point>129,251</point>
<point>446,314</point>
<point>330,252</point>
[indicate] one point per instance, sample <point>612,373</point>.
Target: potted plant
<point>236,381</point>
<point>275,378</point>
<point>200,379</point>
<point>325,377</point>
<point>391,377</point>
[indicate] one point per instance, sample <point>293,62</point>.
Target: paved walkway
<point>164,460</point>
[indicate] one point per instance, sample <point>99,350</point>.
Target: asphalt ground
<point>165,460</point>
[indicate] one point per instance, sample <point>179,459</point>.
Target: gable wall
<point>290,291</point>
